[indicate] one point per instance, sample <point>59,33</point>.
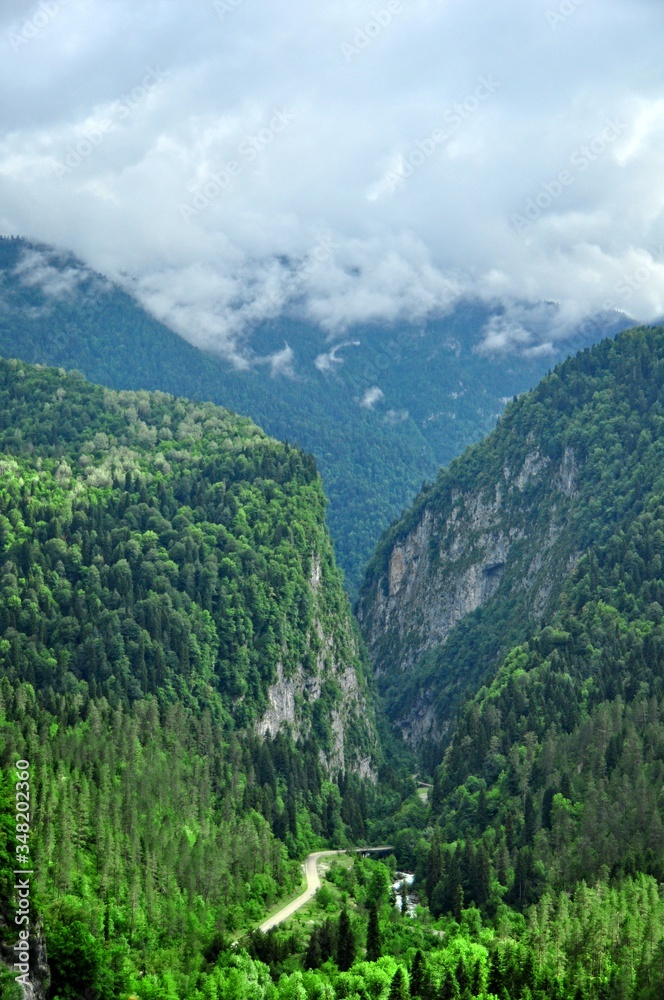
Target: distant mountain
<point>381,411</point>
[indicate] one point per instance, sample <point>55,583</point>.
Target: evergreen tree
<point>374,944</point>
<point>314,956</point>
<point>449,987</point>
<point>399,986</point>
<point>434,865</point>
<point>417,974</point>
<point>345,942</point>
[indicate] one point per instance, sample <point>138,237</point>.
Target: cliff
<point>481,557</point>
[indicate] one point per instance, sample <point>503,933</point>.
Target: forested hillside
<point>480,560</point>
<point>381,412</point>
<point>549,797</point>
<point>179,668</point>
<point>183,680</point>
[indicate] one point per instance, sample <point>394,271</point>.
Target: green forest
<point>163,564</point>
<point>156,572</point>
<point>439,393</point>
<point>600,415</point>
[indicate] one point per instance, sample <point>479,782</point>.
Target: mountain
<point>482,558</point>
<point>180,676</point>
<point>184,711</point>
<point>529,579</point>
<point>381,410</point>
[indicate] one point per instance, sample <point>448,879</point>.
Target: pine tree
<point>345,942</point>
<point>374,944</point>
<point>528,820</point>
<point>399,987</point>
<point>417,974</point>
<point>314,956</point>
<point>327,938</point>
<point>449,987</point>
<point>434,865</point>
<point>403,892</point>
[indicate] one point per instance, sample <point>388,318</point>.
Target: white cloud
<point>371,397</point>
<point>328,361</point>
<point>39,269</point>
<point>144,129</point>
<point>281,362</point>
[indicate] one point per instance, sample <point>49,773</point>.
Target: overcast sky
<point>359,160</point>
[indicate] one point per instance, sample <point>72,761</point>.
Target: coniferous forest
<point>196,711</point>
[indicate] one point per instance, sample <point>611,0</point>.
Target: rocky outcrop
<point>464,548</point>
<point>337,661</point>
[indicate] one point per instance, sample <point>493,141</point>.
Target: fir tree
<point>345,942</point>
<point>374,944</point>
<point>399,987</point>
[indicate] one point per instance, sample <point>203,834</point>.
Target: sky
<point>230,160</point>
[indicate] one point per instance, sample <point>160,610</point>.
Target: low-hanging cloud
<point>236,161</point>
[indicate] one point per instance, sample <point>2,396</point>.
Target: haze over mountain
<point>291,297</point>
<point>381,410</point>
<point>352,162</point>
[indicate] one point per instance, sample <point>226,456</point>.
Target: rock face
<point>481,558</point>
<point>461,549</point>
<point>335,678</point>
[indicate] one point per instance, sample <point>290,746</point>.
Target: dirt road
<point>313,883</point>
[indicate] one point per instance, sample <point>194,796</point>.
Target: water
<point>412,898</point>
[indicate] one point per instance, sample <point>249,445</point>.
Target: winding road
<point>313,883</point>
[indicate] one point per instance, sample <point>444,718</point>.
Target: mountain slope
<point>381,411</point>
<point>481,558</point>
<point>179,667</point>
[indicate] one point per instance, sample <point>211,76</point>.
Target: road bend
<point>313,883</point>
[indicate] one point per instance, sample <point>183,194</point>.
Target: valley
<point>331,500</point>
<point>202,714</point>
<point>381,408</point>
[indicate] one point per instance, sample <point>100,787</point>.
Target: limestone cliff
<point>484,552</point>
<point>332,677</point>
<point>459,554</point>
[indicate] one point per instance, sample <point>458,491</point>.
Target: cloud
<point>322,185</point>
<point>396,416</point>
<point>371,397</point>
<point>330,360</point>
<point>45,270</point>
<point>281,362</point>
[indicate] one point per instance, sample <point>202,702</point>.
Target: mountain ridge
<point>382,410</point>
<point>482,555</point>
